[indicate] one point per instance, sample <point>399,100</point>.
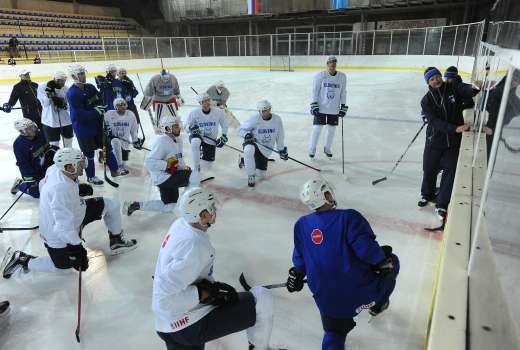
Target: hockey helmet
<point>194,201</point>
<point>66,156</point>
<point>312,193</point>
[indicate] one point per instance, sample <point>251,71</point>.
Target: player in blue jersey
<point>33,156</point>
<point>347,271</point>
<point>110,87</point>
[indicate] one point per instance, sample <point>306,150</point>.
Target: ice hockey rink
<point>253,233</point>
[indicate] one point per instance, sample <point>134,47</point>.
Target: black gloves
<point>85,190</point>
<point>295,280</point>
<point>249,139</point>
<point>78,257</point>
<point>221,141</point>
<point>385,266</point>
<point>284,155</point>
<point>217,293</point>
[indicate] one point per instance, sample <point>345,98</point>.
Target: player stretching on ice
<point>63,214</point>
<point>164,94</point>
<point>165,162</point>
<point>33,156</point>
<point>190,307</point>
<point>122,125</point>
<point>202,124</point>
<point>329,98</point>
<point>262,128</point>
<point>347,271</point>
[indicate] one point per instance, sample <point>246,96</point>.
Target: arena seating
<point>44,31</point>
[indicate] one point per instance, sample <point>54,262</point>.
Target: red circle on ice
<point>317,236</point>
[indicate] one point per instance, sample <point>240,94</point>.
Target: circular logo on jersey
<point>317,236</point>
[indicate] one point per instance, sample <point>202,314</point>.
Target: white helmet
<point>219,84</point>
<point>120,101</point>
<point>194,201</point>
<point>23,124</point>
<point>60,75</point>
<point>65,156</point>
<point>111,68</point>
<point>263,105</point>
<point>76,69</point>
<point>203,97</point>
<point>312,193</point>
<point>168,121</point>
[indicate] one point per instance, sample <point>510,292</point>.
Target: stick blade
<point>77,336</point>
<point>375,182</point>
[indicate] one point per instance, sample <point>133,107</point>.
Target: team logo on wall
<point>317,236</point>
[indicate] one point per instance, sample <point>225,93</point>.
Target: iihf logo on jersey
<point>451,98</point>
<point>317,236</point>
<point>331,94</point>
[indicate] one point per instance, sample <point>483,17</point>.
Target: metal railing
<point>456,40</point>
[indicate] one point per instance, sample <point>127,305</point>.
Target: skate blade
<point>122,250</point>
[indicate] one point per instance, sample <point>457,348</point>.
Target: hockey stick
<point>142,147</point>
<point>233,148</point>
<point>342,147</point>
<point>375,182</point>
<point>78,325</point>
<point>247,287</point>
<point>2,229</point>
<point>291,158</point>
<point>2,109</point>
<point>105,157</point>
<point>12,205</point>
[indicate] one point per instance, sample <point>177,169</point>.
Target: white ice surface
<point>254,230</point>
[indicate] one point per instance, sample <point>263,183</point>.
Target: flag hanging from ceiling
<point>252,7</point>
<point>339,4</point>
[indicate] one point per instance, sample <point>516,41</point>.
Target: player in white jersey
<point>220,96</point>
<point>122,124</point>
<point>328,103</point>
<point>165,162</point>
<point>190,307</point>
<point>164,94</point>
<point>55,115</point>
<point>202,125</point>
<point>64,214</point>
<point>262,128</point>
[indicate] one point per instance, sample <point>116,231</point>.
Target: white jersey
<point>163,148</point>
<point>161,90</point>
<point>219,98</point>
<point>51,115</point>
<point>208,123</point>
<point>122,126</point>
<point>186,257</point>
<point>329,91</point>
<point>61,209</point>
<point>266,132</point>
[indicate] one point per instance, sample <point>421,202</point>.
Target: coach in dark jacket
<point>25,91</point>
<point>442,107</point>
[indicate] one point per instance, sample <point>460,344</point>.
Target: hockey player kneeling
<point>63,214</point>
<point>347,271</point>
<point>190,307</point>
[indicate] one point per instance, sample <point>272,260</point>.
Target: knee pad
<point>339,327</point>
<point>111,205</point>
<point>249,150</point>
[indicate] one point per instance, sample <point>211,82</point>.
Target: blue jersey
<point>113,88</point>
<point>30,157</point>
<point>86,121</point>
<point>336,249</point>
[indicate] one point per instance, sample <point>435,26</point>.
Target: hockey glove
<point>6,108</point>
<point>195,131</point>
<point>315,110</point>
<point>249,139</point>
<point>385,266</point>
<point>283,154</point>
<point>77,256</point>
<point>85,190</point>
<point>102,82</point>
<point>423,116</point>
<point>138,144</point>
<point>217,293</point>
<point>172,164</point>
<point>50,92</point>
<point>100,110</point>
<point>295,280</point>
<point>343,110</point>
<point>221,141</point>
<point>59,102</point>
